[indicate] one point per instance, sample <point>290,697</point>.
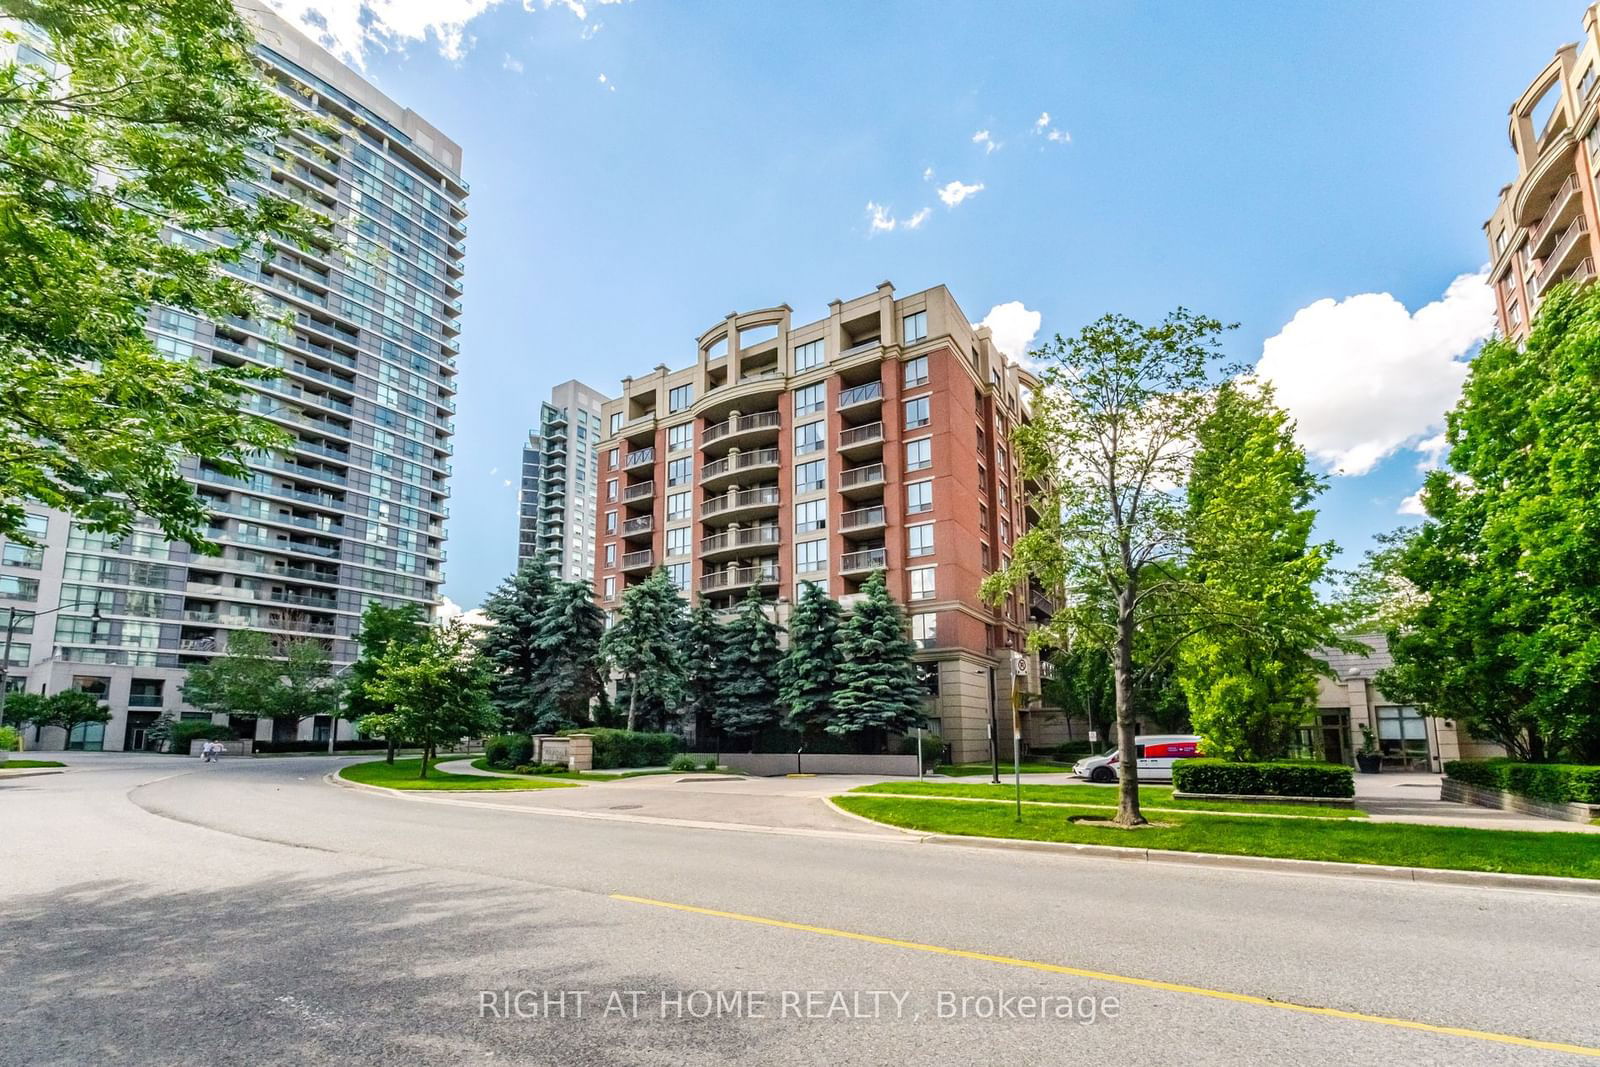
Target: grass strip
<point>29,764</point>
<point>403,775</point>
<point>1563,854</point>
<point>1105,797</point>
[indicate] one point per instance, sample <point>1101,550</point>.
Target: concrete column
<point>580,752</point>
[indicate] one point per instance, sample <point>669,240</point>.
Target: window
<point>611,522</point>
<point>678,505</point>
<point>811,555</point>
<point>916,372</point>
<point>36,526</point>
<point>616,423</point>
<point>21,654</point>
<point>917,412</point>
<point>919,539</point>
<point>809,438</point>
<point>985,557</point>
<point>801,586</point>
<point>1005,531</point>
<point>1000,460</point>
<point>611,555</point>
<point>921,583</point>
<point>1514,313</point>
<point>678,575</point>
<point>611,587</point>
<point>983,517</point>
<point>18,588</point>
<point>678,541</point>
<point>810,515</point>
<point>811,354</point>
<point>16,555</point>
<point>1586,82</point>
<point>611,490</point>
<point>809,477</point>
<point>919,454</point>
<point>680,437</point>
<point>916,326</point>
<point>919,497</point>
<point>612,458</point>
<point>680,471</point>
<point>679,397</point>
<point>810,399</point>
<point>1402,732</point>
<point>925,629</point>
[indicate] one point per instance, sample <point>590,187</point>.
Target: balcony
<point>639,457</point>
<point>745,501</point>
<point>639,492</point>
<point>860,396</point>
<point>737,541</point>
<point>1039,604</point>
<point>721,471</point>
<point>861,481</point>
<point>1569,250</point>
<point>638,526</point>
<point>864,520</point>
<point>862,440</point>
<point>1563,207</point>
<point>731,578</point>
<point>760,427</point>
<point>869,559</point>
<point>638,561</point>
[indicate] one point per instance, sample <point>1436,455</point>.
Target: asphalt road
<point>156,910</point>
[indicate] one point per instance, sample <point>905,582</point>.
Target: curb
<point>28,772</point>
<point>875,824</point>
<point>1273,864</point>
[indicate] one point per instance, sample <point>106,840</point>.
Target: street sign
<point>1019,665</point>
<point>1094,736</point>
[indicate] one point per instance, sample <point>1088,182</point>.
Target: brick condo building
<point>878,438</point>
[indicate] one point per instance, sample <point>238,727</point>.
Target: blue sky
<point>641,168</point>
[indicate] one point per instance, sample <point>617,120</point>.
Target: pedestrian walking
<point>205,752</point>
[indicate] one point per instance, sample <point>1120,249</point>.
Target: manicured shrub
<point>508,750</point>
<point>683,762</point>
<point>1070,751</point>
<point>179,734</point>
<point>10,740</point>
<point>1553,783</point>
<point>366,745</point>
<point>711,763</point>
<point>1287,778</point>
<point>539,768</point>
<point>932,747</point>
<point>623,748</point>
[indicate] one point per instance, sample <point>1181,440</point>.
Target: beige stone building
<point>1546,227</point>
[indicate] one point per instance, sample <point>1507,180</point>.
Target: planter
<point>1483,797</point>
<point>1269,798</point>
<point>1368,762</point>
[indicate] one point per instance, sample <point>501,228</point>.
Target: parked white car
<point>1154,755</point>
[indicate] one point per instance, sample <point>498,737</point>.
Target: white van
<point>1154,753</point>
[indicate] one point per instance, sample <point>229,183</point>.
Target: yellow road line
<point>1122,979</point>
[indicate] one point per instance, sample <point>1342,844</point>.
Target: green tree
<point>72,708</point>
<point>701,652</point>
<point>568,678</point>
<point>381,626</point>
<point>1248,665</point>
<point>1498,624</point>
<point>512,647</point>
<point>643,646</point>
<point>806,673</point>
<point>749,668</point>
<point>141,119</point>
<point>256,678</point>
<point>1110,442</point>
<point>439,690</point>
<point>879,689</point>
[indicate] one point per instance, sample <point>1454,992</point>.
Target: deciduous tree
<point>439,690</point>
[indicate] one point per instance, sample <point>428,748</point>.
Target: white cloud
<point>916,220</point>
<point>607,82</point>
<point>1041,125</point>
<point>1432,452</point>
<point>1043,121</point>
<point>989,143</point>
<point>927,174</point>
<point>879,220</point>
<point>506,483</point>
<point>512,64</point>
<point>1058,136</point>
<point>1012,327</point>
<point>1364,378</point>
<point>351,29</point>
<point>955,192</point>
<point>1412,505</point>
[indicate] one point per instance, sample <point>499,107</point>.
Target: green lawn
<point>1566,854</point>
<point>28,764</point>
<point>972,770</point>
<point>403,775</point>
<point>1153,796</point>
<point>592,776</point>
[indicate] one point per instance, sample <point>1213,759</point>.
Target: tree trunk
<point>633,698</point>
<point>424,773</point>
<point>389,744</point>
<point>1128,813</point>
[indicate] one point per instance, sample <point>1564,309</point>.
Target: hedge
<point>622,748</point>
<point>366,745</point>
<point>179,734</point>
<point>508,750</point>
<point>1286,778</point>
<point>1554,783</point>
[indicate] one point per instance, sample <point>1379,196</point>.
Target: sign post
<point>1019,669</point>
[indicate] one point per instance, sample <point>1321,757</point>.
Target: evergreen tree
<point>568,641</point>
<point>878,685</point>
<point>643,645</point>
<point>701,649</point>
<point>806,674</point>
<point>748,701</point>
<point>511,646</point>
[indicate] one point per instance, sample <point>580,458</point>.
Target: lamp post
<point>13,616</point>
<point>338,703</point>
